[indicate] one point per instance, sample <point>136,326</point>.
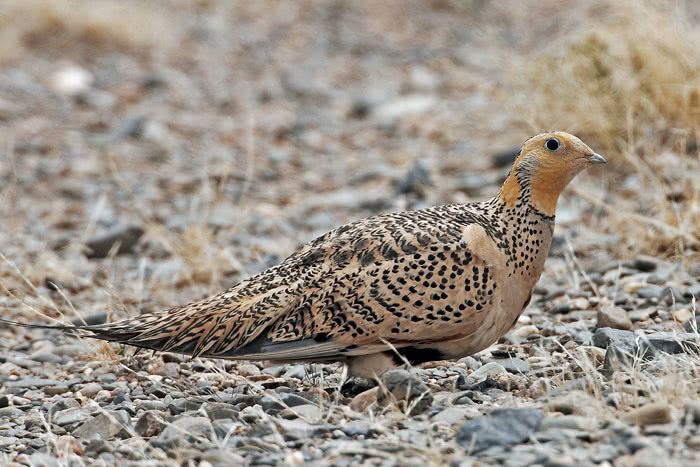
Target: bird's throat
<point>545,188</point>
<point>542,189</point>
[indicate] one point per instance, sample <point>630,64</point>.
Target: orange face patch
<point>547,184</point>
<point>549,169</point>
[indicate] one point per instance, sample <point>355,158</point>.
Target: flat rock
<point>650,292</point>
<point>502,427</point>
<point>105,425</point>
<point>613,317</point>
<point>220,411</point>
<point>406,390</point>
<point>309,412</point>
<point>455,415</point>
<point>606,335</point>
<point>364,400</point>
<point>90,389</point>
<point>513,365</point>
<point>295,429</point>
<point>283,400</point>
<point>122,238</point>
<point>488,370</point>
<point>674,342</point>
<point>357,428</point>
<point>222,457</point>
<point>31,382</point>
<point>225,427</point>
<point>575,402</point>
<point>185,428</point>
<point>8,441</point>
<point>10,412</point>
<point>70,416</point>
<point>650,414</point>
<point>567,422</point>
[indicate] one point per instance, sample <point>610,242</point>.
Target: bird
<point>436,283</point>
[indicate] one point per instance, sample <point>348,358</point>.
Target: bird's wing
<point>434,282</point>
<point>382,278</point>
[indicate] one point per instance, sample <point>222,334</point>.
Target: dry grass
<point>39,24</point>
<point>630,86</point>
<point>632,77</point>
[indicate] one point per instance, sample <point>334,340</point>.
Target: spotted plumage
<point>435,283</point>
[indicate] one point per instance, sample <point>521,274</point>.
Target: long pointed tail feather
<point>114,332</point>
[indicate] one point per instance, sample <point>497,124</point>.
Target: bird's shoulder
<point>390,235</point>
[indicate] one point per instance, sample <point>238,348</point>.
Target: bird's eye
<point>552,144</point>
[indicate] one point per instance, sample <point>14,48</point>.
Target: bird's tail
<point>213,327</point>
<point>154,331</point>
<point>113,332</point>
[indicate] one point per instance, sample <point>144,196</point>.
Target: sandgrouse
<point>431,284</point>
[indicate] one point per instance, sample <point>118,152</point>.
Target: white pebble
<point>71,80</point>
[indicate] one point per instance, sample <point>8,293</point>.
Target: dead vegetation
<point>50,25</point>
<point>631,84</point>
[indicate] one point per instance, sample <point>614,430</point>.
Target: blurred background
<point>154,152</point>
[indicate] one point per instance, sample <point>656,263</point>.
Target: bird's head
<point>546,164</point>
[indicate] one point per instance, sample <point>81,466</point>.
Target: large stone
<point>105,425</point>
<point>513,365</point>
<point>185,429</point>
<point>362,401</point>
<point>310,412</point>
<point>456,414</point>
<point>574,402</point>
<point>149,424</point>
<point>220,411</point>
<point>503,427</point>
<point>490,370</point>
<point>90,389</point>
<point>295,429</point>
<point>283,400</point>
<point>405,390</point>
<point>606,335</point>
<point>71,416</point>
<point>32,382</point>
<point>11,412</point>
<point>622,348</point>
<point>122,239</point>
<point>674,342</point>
<point>650,414</point>
<point>613,317</point>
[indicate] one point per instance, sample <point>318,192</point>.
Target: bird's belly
<point>500,318</point>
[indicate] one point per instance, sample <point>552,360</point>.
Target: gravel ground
<point>152,154</point>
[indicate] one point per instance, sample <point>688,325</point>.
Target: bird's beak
<point>596,158</point>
